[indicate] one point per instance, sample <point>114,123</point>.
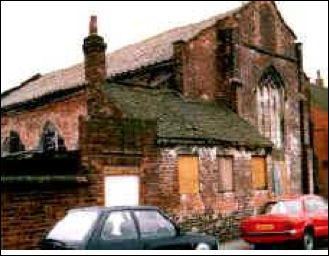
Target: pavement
<point>241,245</point>
<point>235,245</point>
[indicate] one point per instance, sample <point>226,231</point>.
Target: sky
<point>40,37</point>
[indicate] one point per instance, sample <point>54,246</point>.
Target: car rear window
<point>284,207</point>
<point>74,227</point>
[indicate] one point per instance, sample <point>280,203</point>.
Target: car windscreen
<point>74,227</point>
<point>284,207</point>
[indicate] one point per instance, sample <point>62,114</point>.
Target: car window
<point>154,225</point>
<point>324,204</point>
<point>119,225</point>
<point>74,227</point>
<point>284,207</point>
<point>314,205</point>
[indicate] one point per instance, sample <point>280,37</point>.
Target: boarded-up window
<point>285,181</point>
<point>259,176</point>
<point>225,166</point>
<point>188,168</point>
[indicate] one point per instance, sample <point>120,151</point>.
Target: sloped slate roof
<point>180,118</point>
<point>319,97</point>
<point>148,52</point>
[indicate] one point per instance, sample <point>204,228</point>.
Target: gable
<point>262,24</point>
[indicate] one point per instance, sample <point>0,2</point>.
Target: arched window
<point>51,140</point>
<point>12,144</point>
<point>271,95</point>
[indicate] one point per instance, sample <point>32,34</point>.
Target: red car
<point>303,220</point>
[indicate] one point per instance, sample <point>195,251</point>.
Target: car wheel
<point>203,246</point>
<point>309,240</point>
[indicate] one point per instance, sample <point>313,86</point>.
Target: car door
<point>317,209</point>
<point>159,233</point>
<point>117,231</point>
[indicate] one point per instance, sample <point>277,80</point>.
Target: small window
<point>225,165</point>
<point>188,168</point>
<point>259,176</point>
<point>12,144</point>
<point>153,225</point>
<point>51,140</point>
<point>119,225</point>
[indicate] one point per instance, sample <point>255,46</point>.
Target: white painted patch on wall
<point>121,191</point>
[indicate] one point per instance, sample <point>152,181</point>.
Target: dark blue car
<point>122,228</point>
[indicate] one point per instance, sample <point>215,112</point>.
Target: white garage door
<point>121,191</point>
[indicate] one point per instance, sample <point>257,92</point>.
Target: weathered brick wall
<point>29,124</point>
<point>252,65</point>
<point>120,147</point>
<point>28,212</point>
<point>205,69</point>
<point>198,74</point>
<point>212,211</point>
<point>210,198</point>
<point>253,28</point>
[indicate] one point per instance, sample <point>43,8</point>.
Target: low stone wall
<point>224,228</point>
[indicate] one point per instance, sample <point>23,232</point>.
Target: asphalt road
<point>241,245</point>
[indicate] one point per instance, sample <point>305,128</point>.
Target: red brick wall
<point>199,65</point>
<point>320,135</point>
<point>29,124</point>
<point>27,213</point>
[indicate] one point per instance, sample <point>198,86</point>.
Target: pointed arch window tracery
<point>271,97</point>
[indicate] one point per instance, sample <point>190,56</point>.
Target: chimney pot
<point>93,25</point>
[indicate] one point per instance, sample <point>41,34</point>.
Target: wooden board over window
<point>285,181</point>
<point>188,169</point>
<point>225,166</point>
<point>259,173</point>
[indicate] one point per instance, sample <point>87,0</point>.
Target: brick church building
<point>207,118</point>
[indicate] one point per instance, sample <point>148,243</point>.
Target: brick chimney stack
<point>319,80</point>
<point>94,49</point>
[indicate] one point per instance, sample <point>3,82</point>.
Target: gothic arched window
<point>270,98</point>
<point>51,140</point>
<point>12,144</point>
